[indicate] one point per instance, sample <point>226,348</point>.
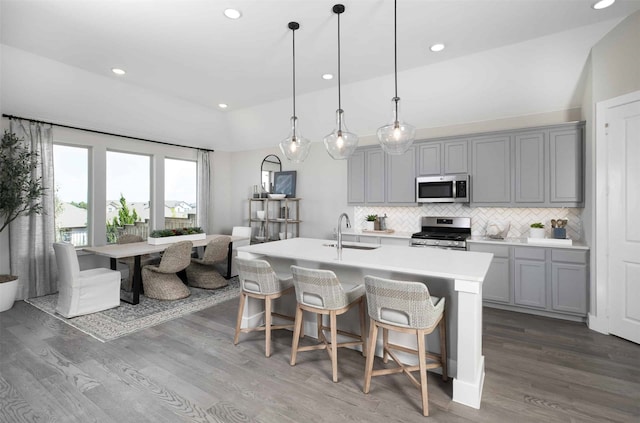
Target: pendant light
<point>341,143</point>
<point>397,136</point>
<point>295,147</point>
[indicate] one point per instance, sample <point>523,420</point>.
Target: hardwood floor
<point>188,370</point>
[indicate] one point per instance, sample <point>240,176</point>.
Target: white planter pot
<point>172,239</point>
<point>536,232</point>
<point>8,291</point>
<point>369,226</point>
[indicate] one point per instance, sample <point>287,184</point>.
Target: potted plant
<point>536,230</point>
<point>20,195</point>
<point>168,236</point>
<point>370,223</point>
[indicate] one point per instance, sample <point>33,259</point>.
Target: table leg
<point>229,258</point>
<point>136,286</point>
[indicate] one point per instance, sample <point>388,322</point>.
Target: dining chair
<point>161,282</point>
<point>405,307</point>
<point>320,292</point>
<point>244,231</point>
<point>83,291</point>
<point>202,272</point>
<point>145,259</point>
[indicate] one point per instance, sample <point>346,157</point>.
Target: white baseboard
<point>469,393</point>
<point>598,324</point>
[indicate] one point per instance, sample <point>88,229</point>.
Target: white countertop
<point>359,232</point>
<point>434,262</point>
<point>522,242</point>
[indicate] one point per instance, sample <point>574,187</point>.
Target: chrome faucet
<point>339,243</point>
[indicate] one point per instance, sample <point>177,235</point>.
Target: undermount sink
<point>355,247</point>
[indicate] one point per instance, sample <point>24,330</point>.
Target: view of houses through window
<point>128,205</point>
<point>180,185</point>
<point>71,180</point>
<point>128,194</point>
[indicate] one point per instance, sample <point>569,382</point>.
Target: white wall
<point>39,88</point>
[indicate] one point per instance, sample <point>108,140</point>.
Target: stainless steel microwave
<point>443,189</point>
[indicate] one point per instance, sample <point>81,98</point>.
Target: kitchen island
<point>456,275</point>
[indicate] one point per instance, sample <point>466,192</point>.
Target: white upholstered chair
<point>86,291</point>
<point>239,231</point>
<point>405,307</point>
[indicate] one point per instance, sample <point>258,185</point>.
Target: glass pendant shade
<point>341,143</point>
<point>397,136</point>
<point>295,147</point>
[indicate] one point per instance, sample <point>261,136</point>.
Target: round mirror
<point>270,165</point>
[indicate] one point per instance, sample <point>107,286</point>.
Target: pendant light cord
<point>294,72</point>
<point>395,52</point>
<point>339,93</point>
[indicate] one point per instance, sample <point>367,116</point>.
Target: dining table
<point>139,249</point>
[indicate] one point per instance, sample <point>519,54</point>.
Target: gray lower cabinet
<point>569,281</point>
<point>553,281</point>
<point>497,284</point>
<point>530,279</point>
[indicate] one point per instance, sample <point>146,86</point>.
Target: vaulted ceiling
<point>190,52</point>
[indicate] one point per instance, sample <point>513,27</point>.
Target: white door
<point>623,138</point>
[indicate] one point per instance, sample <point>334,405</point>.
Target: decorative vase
<point>8,291</point>
<point>536,232</point>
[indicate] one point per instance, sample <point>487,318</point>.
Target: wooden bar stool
<point>405,307</point>
<point>320,292</point>
<point>258,280</point>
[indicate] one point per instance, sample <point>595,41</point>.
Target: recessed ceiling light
<point>327,76</point>
<point>118,71</point>
<point>223,105</point>
<point>603,4</point>
<point>437,47</point>
<point>232,13</point>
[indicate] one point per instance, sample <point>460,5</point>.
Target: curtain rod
<point>104,133</point>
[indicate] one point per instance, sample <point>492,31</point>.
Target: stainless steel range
<point>443,232</point>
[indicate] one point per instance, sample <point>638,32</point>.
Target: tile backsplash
<point>407,219</point>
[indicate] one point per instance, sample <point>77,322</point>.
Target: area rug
<point>120,321</point>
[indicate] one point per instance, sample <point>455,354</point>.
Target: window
<point>128,195</point>
<point>180,198</point>
<point>71,181</point>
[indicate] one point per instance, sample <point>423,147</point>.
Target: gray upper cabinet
<point>430,159</point>
<point>375,177</point>
<point>566,166</point>
<point>491,170</point>
<point>546,164</point>
<point>443,157</point>
<point>401,174</point>
<point>456,156</point>
<point>530,167</point>
<point>535,167</point>
<point>355,178</point>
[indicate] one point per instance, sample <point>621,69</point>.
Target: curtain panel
<point>204,189</point>
<point>31,237</point>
